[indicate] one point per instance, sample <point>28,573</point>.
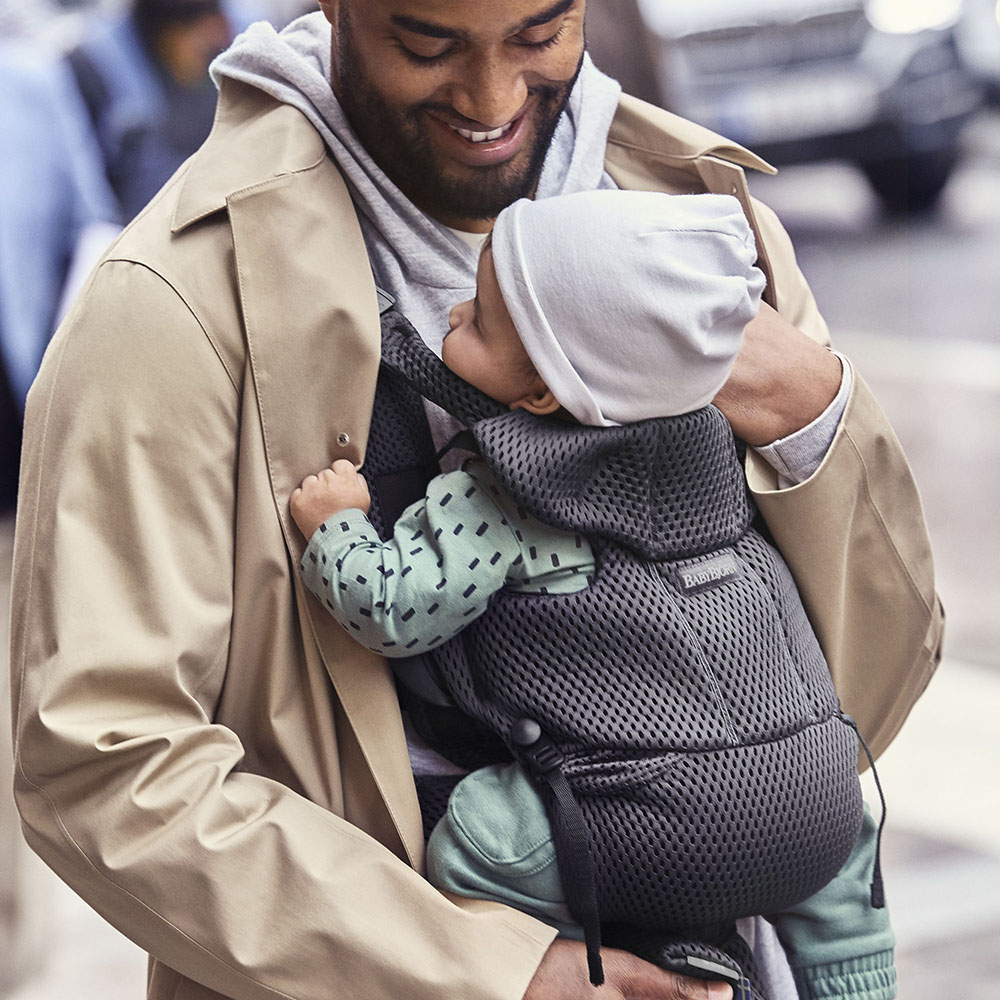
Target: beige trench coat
<point>201,752</point>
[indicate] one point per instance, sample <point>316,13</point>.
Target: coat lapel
<point>314,344</point>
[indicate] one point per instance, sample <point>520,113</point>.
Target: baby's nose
<point>455,316</point>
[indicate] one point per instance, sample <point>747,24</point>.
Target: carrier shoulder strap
<point>404,352</point>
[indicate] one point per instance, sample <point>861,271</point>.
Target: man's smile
<point>481,147</point>
<point>460,143</point>
<point>484,136</point>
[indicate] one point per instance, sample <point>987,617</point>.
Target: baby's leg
<point>495,842</point>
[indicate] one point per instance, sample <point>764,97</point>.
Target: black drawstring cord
<point>542,758</point>
<point>878,889</point>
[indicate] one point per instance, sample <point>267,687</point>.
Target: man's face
<point>456,100</point>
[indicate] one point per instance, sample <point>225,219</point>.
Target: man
<point>201,752</point>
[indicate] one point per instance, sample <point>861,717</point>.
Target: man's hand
<point>563,976</point>
<point>781,382</point>
<point>321,496</point>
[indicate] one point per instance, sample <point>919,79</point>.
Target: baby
<point>603,309</point>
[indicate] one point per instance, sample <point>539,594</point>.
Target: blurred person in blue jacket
<point>92,137</point>
<point>143,77</point>
<point>54,198</point>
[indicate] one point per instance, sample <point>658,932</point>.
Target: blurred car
<point>978,34</point>
<point>877,82</point>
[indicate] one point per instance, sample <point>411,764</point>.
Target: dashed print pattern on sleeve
<point>549,561</point>
<point>449,553</point>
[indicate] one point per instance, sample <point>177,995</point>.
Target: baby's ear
<point>539,401</point>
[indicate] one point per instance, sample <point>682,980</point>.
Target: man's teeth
<point>485,136</point>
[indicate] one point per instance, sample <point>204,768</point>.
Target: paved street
<point>915,305</point>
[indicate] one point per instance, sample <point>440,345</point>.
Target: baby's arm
<point>341,487</point>
<point>449,553</point>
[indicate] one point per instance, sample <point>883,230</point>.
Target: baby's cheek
<point>449,349</point>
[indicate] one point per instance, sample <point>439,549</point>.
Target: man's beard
<point>400,143</point>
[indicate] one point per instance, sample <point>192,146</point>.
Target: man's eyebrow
<point>419,27</point>
<point>432,30</point>
<point>545,16</point>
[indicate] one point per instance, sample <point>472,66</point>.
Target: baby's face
<point>482,345</point>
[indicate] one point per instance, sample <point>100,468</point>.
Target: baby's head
<point>616,305</point>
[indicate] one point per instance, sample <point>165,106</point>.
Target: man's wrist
<point>781,382</point>
<point>800,403</point>
<point>798,455</point>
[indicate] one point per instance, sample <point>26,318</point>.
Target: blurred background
<point>884,117</point>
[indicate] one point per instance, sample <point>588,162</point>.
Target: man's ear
<point>539,401</point>
<point>329,8</point>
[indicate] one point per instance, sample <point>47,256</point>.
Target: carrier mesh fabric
<point>399,462</point>
<point>702,735</point>
<point>399,459</point>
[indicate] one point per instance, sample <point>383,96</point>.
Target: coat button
<point>343,439</point>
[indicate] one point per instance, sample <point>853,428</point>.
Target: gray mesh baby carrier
<point>678,713</point>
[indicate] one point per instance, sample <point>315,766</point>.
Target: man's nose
<point>491,91</point>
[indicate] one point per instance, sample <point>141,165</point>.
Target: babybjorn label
<point>707,572</point>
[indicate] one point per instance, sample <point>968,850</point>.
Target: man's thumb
<point>718,991</point>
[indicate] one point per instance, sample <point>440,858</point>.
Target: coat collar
<point>660,136</point>
<point>650,149</point>
<point>254,139</point>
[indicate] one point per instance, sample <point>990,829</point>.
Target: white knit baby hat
<point>631,304</point>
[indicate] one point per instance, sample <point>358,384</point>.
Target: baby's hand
<point>333,490</point>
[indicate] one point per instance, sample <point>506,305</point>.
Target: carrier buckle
<point>534,748</point>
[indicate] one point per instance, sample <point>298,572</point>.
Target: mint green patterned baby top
<point>449,553</point>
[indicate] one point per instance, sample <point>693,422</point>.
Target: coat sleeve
<point>127,786</point>
<point>854,537</point>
